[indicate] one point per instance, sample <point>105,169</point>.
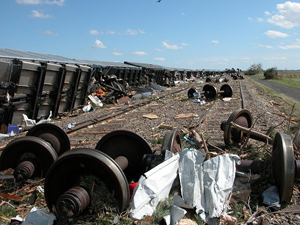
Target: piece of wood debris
<point>11,197</point>
<point>155,135</point>
<point>98,132</point>
<point>27,186</point>
<point>150,116</point>
<point>123,100</point>
<point>185,115</point>
<point>80,144</point>
<point>165,126</point>
<point>4,218</point>
<point>272,102</point>
<point>114,107</point>
<point>186,222</point>
<point>226,99</point>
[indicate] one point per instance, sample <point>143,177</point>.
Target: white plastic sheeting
<point>206,185</point>
<point>153,187</point>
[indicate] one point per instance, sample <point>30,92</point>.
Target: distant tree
<point>255,69</point>
<point>271,73</point>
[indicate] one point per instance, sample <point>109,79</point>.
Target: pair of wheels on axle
<point>117,161</point>
<point>286,170</point>
<point>32,155</point>
<point>210,92</point>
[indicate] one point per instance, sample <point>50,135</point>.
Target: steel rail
<point>242,96</point>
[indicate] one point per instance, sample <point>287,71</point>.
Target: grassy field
<point>287,79</point>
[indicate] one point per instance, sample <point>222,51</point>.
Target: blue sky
<point>194,34</point>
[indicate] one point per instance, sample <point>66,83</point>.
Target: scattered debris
<point>151,116</point>
<point>125,99</point>
<point>228,220</point>
<point>157,87</point>
<point>29,123</point>
<point>39,217</point>
<point>185,115</point>
<point>226,99</point>
<point>95,101</point>
<point>271,197</point>
<point>165,126</point>
<point>209,183</point>
<point>154,186</point>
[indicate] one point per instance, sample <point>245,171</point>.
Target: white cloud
<point>160,59</point>
<point>142,32</point>
<point>259,19</point>
<point>39,14</point>
<point>37,2</point>
<point>159,50</point>
<point>111,32</point>
<point>131,32</point>
<point>94,32</point>
<point>296,46</point>
<point>274,58</point>
<point>139,53</point>
<point>275,34</point>
<point>48,32</point>
<point>250,18</point>
<point>99,44</point>
<point>264,46</point>
<point>117,53</point>
<point>172,47</point>
<point>267,13</point>
<point>288,15</point>
<point>215,42</point>
<point>183,14</point>
<point>184,44</point>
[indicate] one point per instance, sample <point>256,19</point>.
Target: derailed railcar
<point>126,74</point>
<point>36,87</point>
<point>154,73</point>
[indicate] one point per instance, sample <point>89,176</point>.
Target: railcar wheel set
<point>210,92</point>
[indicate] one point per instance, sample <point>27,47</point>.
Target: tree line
<point>271,73</point>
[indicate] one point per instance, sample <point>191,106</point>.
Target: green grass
<point>7,211</point>
<point>286,80</point>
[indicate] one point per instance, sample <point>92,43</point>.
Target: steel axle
<point>238,127</point>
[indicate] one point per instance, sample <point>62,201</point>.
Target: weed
<point>7,211</point>
<point>157,141</point>
<point>163,209</point>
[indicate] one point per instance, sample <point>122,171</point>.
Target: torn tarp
<point>153,187</point>
<point>206,185</point>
